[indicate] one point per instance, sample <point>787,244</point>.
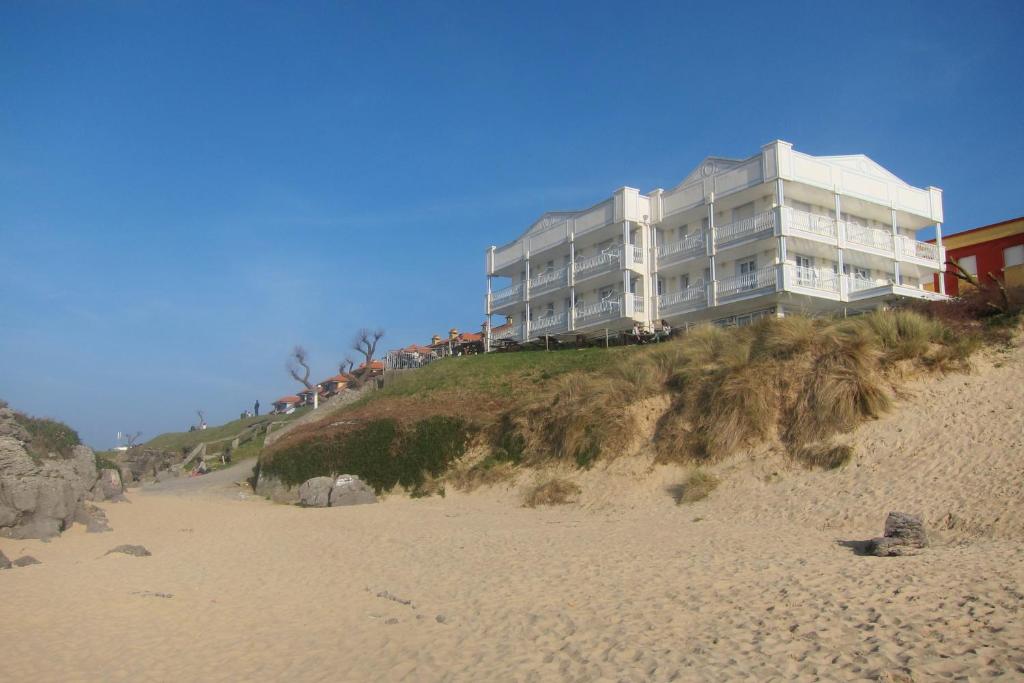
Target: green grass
<point>178,441</point>
<point>496,374</point>
<point>48,436</point>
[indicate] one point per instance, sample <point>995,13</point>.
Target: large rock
<point>349,489</point>
<point>94,519</point>
<point>4,562</point>
<point>274,489</point>
<point>108,486</point>
<point>39,496</point>
<point>316,492</point>
<point>904,535</point>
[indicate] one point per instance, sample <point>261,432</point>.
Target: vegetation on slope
<point>47,436</point>
<point>795,381</point>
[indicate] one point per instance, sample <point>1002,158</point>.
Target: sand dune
<point>753,583</point>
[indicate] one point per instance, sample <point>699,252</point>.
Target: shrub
<point>823,456</point>
<point>551,492</point>
<point>48,436</point>
<point>697,486</point>
<point>379,453</point>
<point>510,442</point>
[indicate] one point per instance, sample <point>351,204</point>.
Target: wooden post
<point>606,337</point>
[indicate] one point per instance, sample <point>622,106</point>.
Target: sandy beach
<point>761,581</point>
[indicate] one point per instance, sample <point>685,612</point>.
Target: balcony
<point>691,246</point>
<point>691,298</point>
<point>602,311</point>
<point>812,224</point>
<point>607,261</point>
<point>554,323</point>
<point>762,278</point>
<point>510,333</point>
<point>921,251</point>
<point>872,238</point>
<point>545,282</point>
<point>824,280</point>
<point>757,225</point>
<point>507,296</point>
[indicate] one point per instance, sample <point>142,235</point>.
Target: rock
<point>165,475</point>
<point>26,560</point>
<point>39,496</point>
<point>276,490</point>
<point>127,476</point>
<point>349,489</point>
<point>441,619</point>
<point>147,463</point>
<point>4,562</point>
<point>904,535</point>
<point>108,486</point>
<point>136,550</point>
<point>94,519</point>
<point>316,492</point>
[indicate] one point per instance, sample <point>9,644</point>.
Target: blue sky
<point>187,189</point>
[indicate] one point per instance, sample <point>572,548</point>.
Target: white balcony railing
<point>607,260</point>
<point>635,302</point>
<point>549,324</point>
<point>868,237</point>
<point>748,227</point>
<point>638,254</point>
<point>512,332</point>
<point>694,296</point>
<point>550,280</point>
<point>813,223</point>
<point>689,246</point>
<point>508,295</point>
<point>758,279</point>
<point>857,283</point>
<point>607,309</point>
<point>915,249</point>
<point>814,278</point>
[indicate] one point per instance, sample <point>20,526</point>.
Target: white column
<point>490,271</point>
<point>895,247</point>
<point>712,249</point>
<point>780,199</point>
<point>572,281</point>
<point>526,298</point>
<point>942,264</point>
<point>655,310</point>
<point>841,257</point>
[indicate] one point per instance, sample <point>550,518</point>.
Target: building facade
<point>779,232</point>
<point>991,250</point>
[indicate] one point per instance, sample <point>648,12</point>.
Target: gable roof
<point>863,164</point>
<point>288,399</point>
<point>709,167</point>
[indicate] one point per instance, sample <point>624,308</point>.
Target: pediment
<point>863,165</point>
<point>711,166</point>
<point>549,219</point>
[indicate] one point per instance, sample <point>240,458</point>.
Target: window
<point>1013,256</point>
<point>745,269</point>
<point>684,281</point>
<point>969,264</point>
<point>804,270</point>
<point>660,285</point>
<point>549,310</point>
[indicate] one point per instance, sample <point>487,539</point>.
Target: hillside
<point>793,387</point>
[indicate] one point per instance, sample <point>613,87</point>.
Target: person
<point>225,456</point>
<point>256,408</point>
<point>636,333</point>
<point>666,330</point>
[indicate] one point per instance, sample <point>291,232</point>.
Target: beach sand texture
<point>754,583</point>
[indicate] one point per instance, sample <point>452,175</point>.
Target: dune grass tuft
<point>823,456</point>
<point>697,486</point>
<point>551,492</point>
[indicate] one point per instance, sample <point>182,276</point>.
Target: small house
<point>286,404</point>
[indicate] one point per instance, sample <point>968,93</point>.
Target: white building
<point>780,232</point>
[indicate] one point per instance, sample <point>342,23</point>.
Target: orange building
<point>996,249</point>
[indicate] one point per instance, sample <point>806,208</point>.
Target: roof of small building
<point>288,399</point>
<point>336,378</point>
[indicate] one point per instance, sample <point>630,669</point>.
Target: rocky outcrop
<point>147,463</point>
<point>108,486</point>
<point>134,550</point>
<point>316,492</point>
<point>40,495</point>
<point>274,489</point>
<point>4,562</point>
<point>904,535</point>
<point>349,489</point>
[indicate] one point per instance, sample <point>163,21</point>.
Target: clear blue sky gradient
<point>187,190</point>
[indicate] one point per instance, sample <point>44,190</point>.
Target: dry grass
<point>697,486</point>
<point>823,456</point>
<point>486,472</point>
<point>551,492</point>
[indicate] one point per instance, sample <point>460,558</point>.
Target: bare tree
<point>365,343</point>
<point>128,438</point>
<point>1000,285</point>
<point>298,367</point>
<point>345,366</point>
